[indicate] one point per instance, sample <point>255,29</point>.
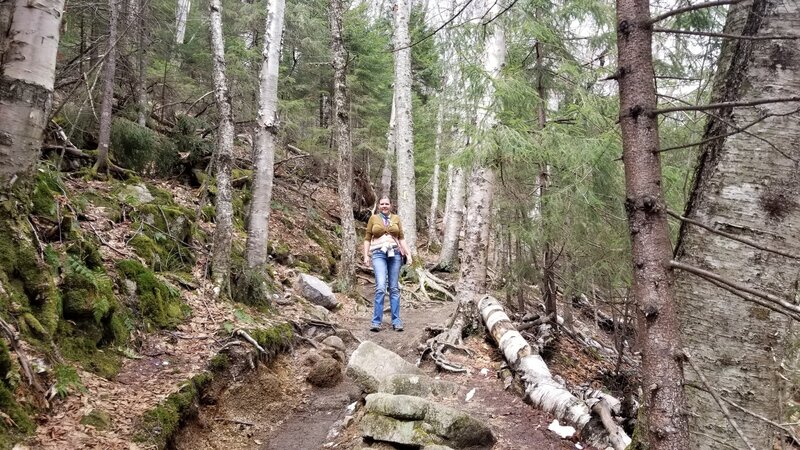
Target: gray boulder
<point>370,364</point>
<point>409,420</point>
<point>335,342</point>
<point>317,291</point>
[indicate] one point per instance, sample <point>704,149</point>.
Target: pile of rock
<point>402,407</point>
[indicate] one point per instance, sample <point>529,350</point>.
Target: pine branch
<point>709,106</point>
<point>690,8</point>
<point>732,236</point>
<point>723,35</point>
<point>427,36</point>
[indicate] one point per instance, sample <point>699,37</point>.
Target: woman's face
<point>385,205</point>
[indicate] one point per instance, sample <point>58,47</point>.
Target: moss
<point>208,213</point>
<point>159,425</point>
<point>98,419</point>
<point>86,251</point>
<point>111,207</point>
<point>159,304</point>
<point>219,363</point>
<point>84,344</point>
<point>319,263</point>
<point>46,187</point>
<point>759,313</point>
<point>165,236</point>
<point>161,195</point>
<point>275,339</point>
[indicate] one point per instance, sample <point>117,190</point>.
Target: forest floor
<point>274,407</point>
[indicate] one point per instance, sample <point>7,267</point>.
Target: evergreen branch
<point>691,8</point>
<point>723,35</point>
<point>709,106</point>
<point>702,273</point>
<point>510,5</point>
<point>732,236</point>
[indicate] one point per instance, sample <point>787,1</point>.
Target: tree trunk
<point>545,393</point>
<point>433,233</point>
<point>453,219</point>
<point>386,173</point>
<point>266,138</point>
<point>107,100</point>
<point>181,17</point>
<point>746,185</point>
<point>341,140</point>
<point>141,60</point>
<point>472,281</point>
<point>223,232</point>
<point>29,34</point>
<point>664,426</point>
<point>404,138</point>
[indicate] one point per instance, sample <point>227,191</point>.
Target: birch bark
<point>266,138</point>
<point>433,233</point>
<point>29,35</point>
<point>223,233</point>
<point>386,173</point>
<point>181,17</point>
<point>746,185</point>
<point>341,141</point>
<point>404,138</point>
<point>472,280</point>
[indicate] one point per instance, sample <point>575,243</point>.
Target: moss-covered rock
<point>165,236</point>
<point>23,425</point>
<point>90,344</point>
<point>158,302</point>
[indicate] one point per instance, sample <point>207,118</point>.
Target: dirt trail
<point>278,410</point>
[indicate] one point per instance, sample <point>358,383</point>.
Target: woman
<point>383,243</point>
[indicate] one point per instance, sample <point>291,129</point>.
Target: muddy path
<point>276,409</point>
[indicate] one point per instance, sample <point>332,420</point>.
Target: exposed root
<point>426,278</point>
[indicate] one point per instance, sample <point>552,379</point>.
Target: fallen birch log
<point>540,387</point>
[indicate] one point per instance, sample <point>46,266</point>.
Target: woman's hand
<point>409,259</point>
<point>366,260</point>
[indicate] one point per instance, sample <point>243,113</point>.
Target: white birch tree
<point>266,138</point>
<point>181,17</point>
<point>28,48</point>
<point>404,137</point>
<point>224,210</point>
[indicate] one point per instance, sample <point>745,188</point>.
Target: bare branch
<point>749,298</point>
<point>735,285</point>
<point>732,236</point>
<point>723,35</point>
<point>763,101</point>
<point>714,394</point>
<point>736,130</point>
<point>690,8</point>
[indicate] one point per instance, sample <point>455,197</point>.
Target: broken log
<point>540,387</point>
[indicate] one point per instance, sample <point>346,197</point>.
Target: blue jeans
<point>383,264</point>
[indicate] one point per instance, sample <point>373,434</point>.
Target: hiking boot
<point>397,327</point>
<point>375,328</point>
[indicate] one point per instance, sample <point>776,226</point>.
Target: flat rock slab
<point>370,364</point>
<point>409,420</point>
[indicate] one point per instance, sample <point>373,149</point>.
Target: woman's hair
<point>384,198</point>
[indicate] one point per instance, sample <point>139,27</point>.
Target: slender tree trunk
<point>181,17</point>
<point>266,138</point>
<point>746,185</point>
<point>141,60</point>
<point>107,101</point>
<point>404,138</point>
<point>341,140</point>
<point>453,220</point>
<point>472,280</point>
<point>386,173</point>
<point>223,232</point>
<point>433,233</point>
<point>662,372</point>
<point>29,35</point>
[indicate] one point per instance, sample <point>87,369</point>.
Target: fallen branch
<point>13,338</point>
<point>540,387</point>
